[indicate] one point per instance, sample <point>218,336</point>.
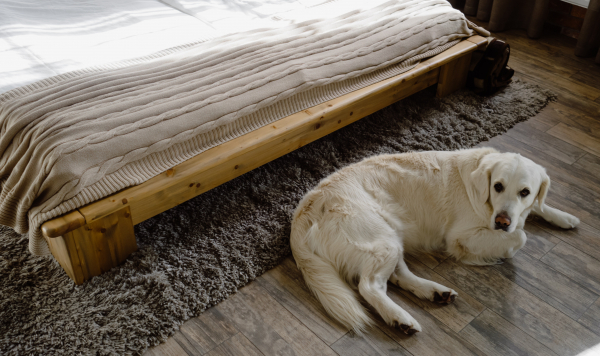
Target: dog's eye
<point>524,192</point>
<point>498,187</point>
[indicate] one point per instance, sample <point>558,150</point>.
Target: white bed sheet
<point>44,38</point>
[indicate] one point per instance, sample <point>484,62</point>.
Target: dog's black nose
<point>502,221</point>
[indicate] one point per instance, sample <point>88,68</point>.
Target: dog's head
<point>504,187</point>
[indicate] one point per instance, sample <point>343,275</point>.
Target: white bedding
<point>44,38</point>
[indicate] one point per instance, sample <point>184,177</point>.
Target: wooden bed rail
<point>98,236</point>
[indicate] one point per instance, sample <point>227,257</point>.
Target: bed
<point>112,113</point>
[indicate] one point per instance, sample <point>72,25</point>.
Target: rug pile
<point>198,253</point>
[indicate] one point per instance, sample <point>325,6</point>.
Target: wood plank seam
<point>566,241</point>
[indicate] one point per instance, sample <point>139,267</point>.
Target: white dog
<point>353,228</point>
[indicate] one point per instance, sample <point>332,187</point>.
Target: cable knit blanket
<point>78,137</point>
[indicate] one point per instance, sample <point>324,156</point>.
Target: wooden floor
<point>545,301</point>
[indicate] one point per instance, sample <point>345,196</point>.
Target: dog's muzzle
<point>502,221</point>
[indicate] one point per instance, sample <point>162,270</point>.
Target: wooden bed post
<point>453,75</point>
<point>94,248</point>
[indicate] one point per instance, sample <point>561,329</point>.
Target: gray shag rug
<point>198,253</point>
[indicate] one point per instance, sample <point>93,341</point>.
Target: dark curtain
<point>530,15</point>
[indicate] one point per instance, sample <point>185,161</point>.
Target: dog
<point>351,231</point>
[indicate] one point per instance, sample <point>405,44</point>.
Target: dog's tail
<point>339,300</point>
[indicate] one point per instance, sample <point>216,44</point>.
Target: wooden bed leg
<point>453,75</point>
<point>96,247</point>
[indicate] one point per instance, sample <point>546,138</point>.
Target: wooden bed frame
<point>99,236</point>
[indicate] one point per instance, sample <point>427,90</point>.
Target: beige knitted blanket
<point>75,138</point>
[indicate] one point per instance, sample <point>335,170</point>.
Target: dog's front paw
<point>407,327</point>
<point>444,297</point>
<point>566,220</point>
<point>402,321</point>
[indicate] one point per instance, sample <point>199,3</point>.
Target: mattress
<point>87,117</point>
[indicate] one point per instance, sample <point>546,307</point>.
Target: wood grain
<point>453,75</point>
<point>194,339</point>
<point>578,266</point>
<point>494,335</point>
<point>584,237</point>
<point>298,336</point>
<point>539,241</point>
<point>591,318</point>
<point>541,321</point>
<point>251,325</point>
<point>549,116</point>
<point>375,343</point>
<point>216,326</point>
<point>63,224</point>
<point>285,284</point>
<point>548,284</point>
<point>438,338</point>
<point>65,253</point>
<point>589,163</point>
<point>587,77</point>
<point>167,348</point>
<point>96,247</point>
<point>539,123</point>
<point>188,343</point>
<point>269,326</point>
<point>562,83</point>
<point>202,334</point>
<point>576,137</point>
<point>528,134</point>
<point>431,259</point>
<point>237,345</point>
<point>561,112</point>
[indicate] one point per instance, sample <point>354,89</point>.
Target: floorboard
<point>375,343</point>
<point>549,284</point>
<point>519,306</point>
<point>545,301</point>
<point>494,335</point>
<point>284,283</point>
<point>591,318</point>
<point>539,241</point>
<point>578,266</point>
<point>235,346</point>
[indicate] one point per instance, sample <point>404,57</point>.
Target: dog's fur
<point>351,231</point>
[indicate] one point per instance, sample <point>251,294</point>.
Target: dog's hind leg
<point>373,286</point>
<point>422,288</point>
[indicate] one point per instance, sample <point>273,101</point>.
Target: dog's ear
<point>480,179</point>
<point>476,176</point>
<point>544,188</point>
